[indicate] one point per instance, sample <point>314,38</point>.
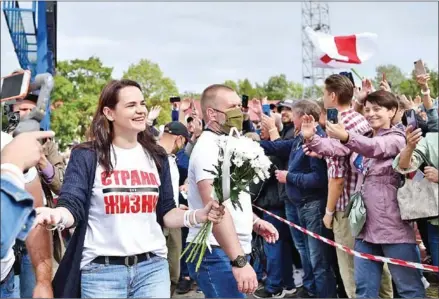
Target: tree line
<point>79,82</point>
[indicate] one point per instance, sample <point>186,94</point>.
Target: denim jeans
<point>292,215</point>
<point>368,273</point>
<point>148,279</point>
<point>258,266</point>
<point>184,271</point>
<point>25,282</point>
<point>9,288</point>
<point>433,239</point>
<point>279,256</point>
<point>215,277</point>
<point>311,217</point>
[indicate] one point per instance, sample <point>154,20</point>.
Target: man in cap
<point>285,108</point>
<point>174,138</point>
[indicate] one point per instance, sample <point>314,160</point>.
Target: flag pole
<point>356,74</point>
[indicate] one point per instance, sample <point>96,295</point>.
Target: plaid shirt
<point>340,167</point>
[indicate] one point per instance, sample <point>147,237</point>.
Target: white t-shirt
<point>204,156</point>
<point>8,261</point>
<point>175,177</point>
<point>122,219</point>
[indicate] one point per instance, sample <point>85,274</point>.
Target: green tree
<point>405,85</point>
<point>393,74</point>
<point>245,87</point>
<point>155,86</point>
<point>232,84</point>
<point>313,92</point>
<point>78,84</point>
<point>85,77</point>
<point>277,87</point>
<point>295,90</point>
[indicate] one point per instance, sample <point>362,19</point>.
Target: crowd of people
<point>114,215</point>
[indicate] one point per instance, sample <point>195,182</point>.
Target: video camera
<point>17,86</point>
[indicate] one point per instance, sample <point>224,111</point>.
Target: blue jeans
<point>433,240</point>
<point>148,279</point>
<point>258,266</point>
<point>292,215</point>
<point>26,280</point>
<point>368,273</point>
<point>184,271</point>
<point>311,218</point>
<point>279,256</point>
<point>9,288</point>
<point>215,277</point>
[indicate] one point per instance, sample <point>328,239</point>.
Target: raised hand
<point>413,137</point>
<point>153,114</point>
<point>336,131</point>
<point>308,128</point>
<point>25,150</point>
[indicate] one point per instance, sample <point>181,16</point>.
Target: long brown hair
<point>101,133</point>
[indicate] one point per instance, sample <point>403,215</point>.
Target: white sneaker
<point>289,293</point>
<point>425,282</point>
<point>298,277</point>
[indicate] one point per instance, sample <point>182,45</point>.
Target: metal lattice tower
<point>316,16</point>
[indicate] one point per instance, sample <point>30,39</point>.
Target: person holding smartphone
<point>384,232</point>
<point>409,161</point>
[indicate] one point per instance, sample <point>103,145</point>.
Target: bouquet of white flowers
<point>241,161</point>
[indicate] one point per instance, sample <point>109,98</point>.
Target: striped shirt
<point>340,167</point>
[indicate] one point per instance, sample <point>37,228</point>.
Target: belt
<point>124,260</point>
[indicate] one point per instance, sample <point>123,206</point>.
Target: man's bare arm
<point>224,232</point>
<point>335,189</point>
<point>39,241</point>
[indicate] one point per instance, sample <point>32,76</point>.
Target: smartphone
<point>349,76</point>
<point>266,109</point>
<point>332,115</point>
<point>244,101</point>
<point>411,118</point>
<point>419,68</point>
<point>174,99</point>
<point>15,86</point>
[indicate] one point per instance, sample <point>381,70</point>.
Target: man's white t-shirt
<point>8,261</point>
<point>122,219</point>
<point>175,177</point>
<point>203,157</point>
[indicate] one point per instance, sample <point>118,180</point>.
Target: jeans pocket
<point>92,268</point>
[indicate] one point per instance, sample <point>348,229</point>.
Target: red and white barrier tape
<point>353,252</point>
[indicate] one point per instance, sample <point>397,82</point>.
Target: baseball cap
<point>287,103</point>
<point>177,128</point>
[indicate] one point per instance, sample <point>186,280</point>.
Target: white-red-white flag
<point>342,51</point>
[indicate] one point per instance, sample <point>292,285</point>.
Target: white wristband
<point>15,171</point>
<point>194,217</point>
<point>329,213</point>
<point>256,220</point>
<point>424,93</point>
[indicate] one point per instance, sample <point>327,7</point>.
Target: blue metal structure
<point>33,34</point>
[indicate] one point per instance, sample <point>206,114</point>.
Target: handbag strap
<point>366,172</point>
<point>424,157</point>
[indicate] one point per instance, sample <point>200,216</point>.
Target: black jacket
<point>269,194</point>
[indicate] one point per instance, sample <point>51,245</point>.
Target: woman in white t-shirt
<point>120,214</point>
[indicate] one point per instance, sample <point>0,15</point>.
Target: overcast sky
<point>198,44</point>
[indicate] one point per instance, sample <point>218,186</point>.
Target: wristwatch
<point>239,262</point>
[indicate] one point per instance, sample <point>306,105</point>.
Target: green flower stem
<point>203,249</point>
<point>192,244</point>
<point>195,243</point>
